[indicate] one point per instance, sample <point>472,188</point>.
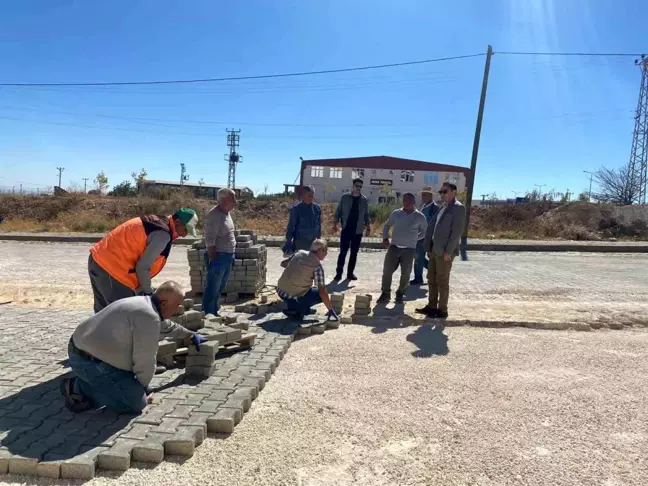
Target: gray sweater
<point>219,231</point>
<point>125,335</point>
<point>408,228</point>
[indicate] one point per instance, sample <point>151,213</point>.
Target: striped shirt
<point>318,281</point>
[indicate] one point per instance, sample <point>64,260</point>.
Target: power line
<point>589,54</point>
<point>243,78</point>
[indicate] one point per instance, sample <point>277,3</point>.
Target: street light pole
<point>589,196</point>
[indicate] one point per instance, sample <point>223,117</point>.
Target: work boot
<point>429,311</point>
<point>351,277</point>
<point>399,298</point>
<point>384,298</point>
<point>75,403</point>
<point>337,278</point>
<point>442,314</point>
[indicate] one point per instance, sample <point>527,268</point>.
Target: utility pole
<point>589,195</point>
<point>184,177</point>
<point>233,157</point>
<point>638,165</point>
<point>60,171</point>
<point>85,184</point>
<point>475,153</point>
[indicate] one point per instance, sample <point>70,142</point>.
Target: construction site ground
<point>389,401</point>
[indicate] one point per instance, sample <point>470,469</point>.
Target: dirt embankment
<point>81,213</point>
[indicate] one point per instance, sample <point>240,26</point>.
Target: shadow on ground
<point>34,423</point>
<point>430,340</point>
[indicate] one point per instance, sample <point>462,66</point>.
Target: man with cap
<point>123,263</point>
<point>305,223</point>
<point>430,210</point>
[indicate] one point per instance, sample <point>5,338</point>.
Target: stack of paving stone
<point>362,305</point>
<point>222,330</point>
<point>248,275</point>
<point>337,300</point>
<point>200,362</point>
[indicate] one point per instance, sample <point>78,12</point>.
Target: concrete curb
<point>370,243</point>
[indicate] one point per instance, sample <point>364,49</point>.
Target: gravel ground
<point>463,407</point>
<point>528,287</point>
<point>412,405</point>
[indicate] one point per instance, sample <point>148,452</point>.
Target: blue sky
<point>547,118</point>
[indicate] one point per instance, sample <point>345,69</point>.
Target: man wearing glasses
<point>353,213</point>
<point>442,244</point>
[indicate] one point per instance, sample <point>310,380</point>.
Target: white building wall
<point>330,189</point>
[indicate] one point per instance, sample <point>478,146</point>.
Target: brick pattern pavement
<point>40,437</point>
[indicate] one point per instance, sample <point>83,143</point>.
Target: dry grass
<point>269,216</point>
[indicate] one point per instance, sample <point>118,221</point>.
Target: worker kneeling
<point>123,263</point>
<point>302,284</point>
<point>113,353</point>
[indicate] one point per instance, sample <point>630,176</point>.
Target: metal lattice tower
<point>638,164</point>
<point>233,157</point>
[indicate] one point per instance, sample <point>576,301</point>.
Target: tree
<point>617,186</point>
<point>124,189</point>
<point>201,182</point>
<point>101,181</point>
<point>265,189</point>
<point>139,178</point>
<point>583,197</point>
<point>75,186</point>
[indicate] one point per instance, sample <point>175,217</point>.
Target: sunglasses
<point>444,191</point>
<point>358,186</point>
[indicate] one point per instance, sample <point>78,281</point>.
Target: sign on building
<point>381,182</point>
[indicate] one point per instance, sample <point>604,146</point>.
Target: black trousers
<point>348,241</point>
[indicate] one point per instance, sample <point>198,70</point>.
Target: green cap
<point>189,218</point>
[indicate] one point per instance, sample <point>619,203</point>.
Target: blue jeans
<point>105,385</point>
<point>303,243</point>
<point>421,261</point>
<point>218,271</point>
<point>301,305</point>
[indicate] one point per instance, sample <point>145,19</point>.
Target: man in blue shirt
<point>430,209</point>
<point>305,223</point>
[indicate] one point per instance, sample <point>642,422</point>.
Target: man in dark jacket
<point>305,223</point>
<point>442,244</point>
<point>353,213</point>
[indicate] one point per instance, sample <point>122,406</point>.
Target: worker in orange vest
<point>123,263</point>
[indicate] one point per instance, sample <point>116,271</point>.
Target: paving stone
<point>149,450</point>
<point>206,349</point>
<point>236,404</point>
<point>168,425</point>
<point>303,331</point>
<point>49,469</point>
<point>260,371</point>
<point>332,324</point>
<point>216,336</point>
<point>199,360</point>
<point>223,421</point>
<point>137,432</point>
<point>118,457</point>
<point>218,395</point>
<point>25,466</point>
<point>166,347</point>
<point>257,383</point>
<point>181,444</point>
<point>210,406</point>
<point>346,320</point>
<point>181,412</point>
<point>200,371</point>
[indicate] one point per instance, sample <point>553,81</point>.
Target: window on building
<point>431,178</point>
<point>358,173</point>
<point>407,176</point>
<point>336,173</point>
<point>398,195</point>
<point>317,171</point>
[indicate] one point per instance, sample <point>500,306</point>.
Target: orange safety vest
<point>120,250</point>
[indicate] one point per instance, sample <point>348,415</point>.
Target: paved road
<point>491,286</point>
